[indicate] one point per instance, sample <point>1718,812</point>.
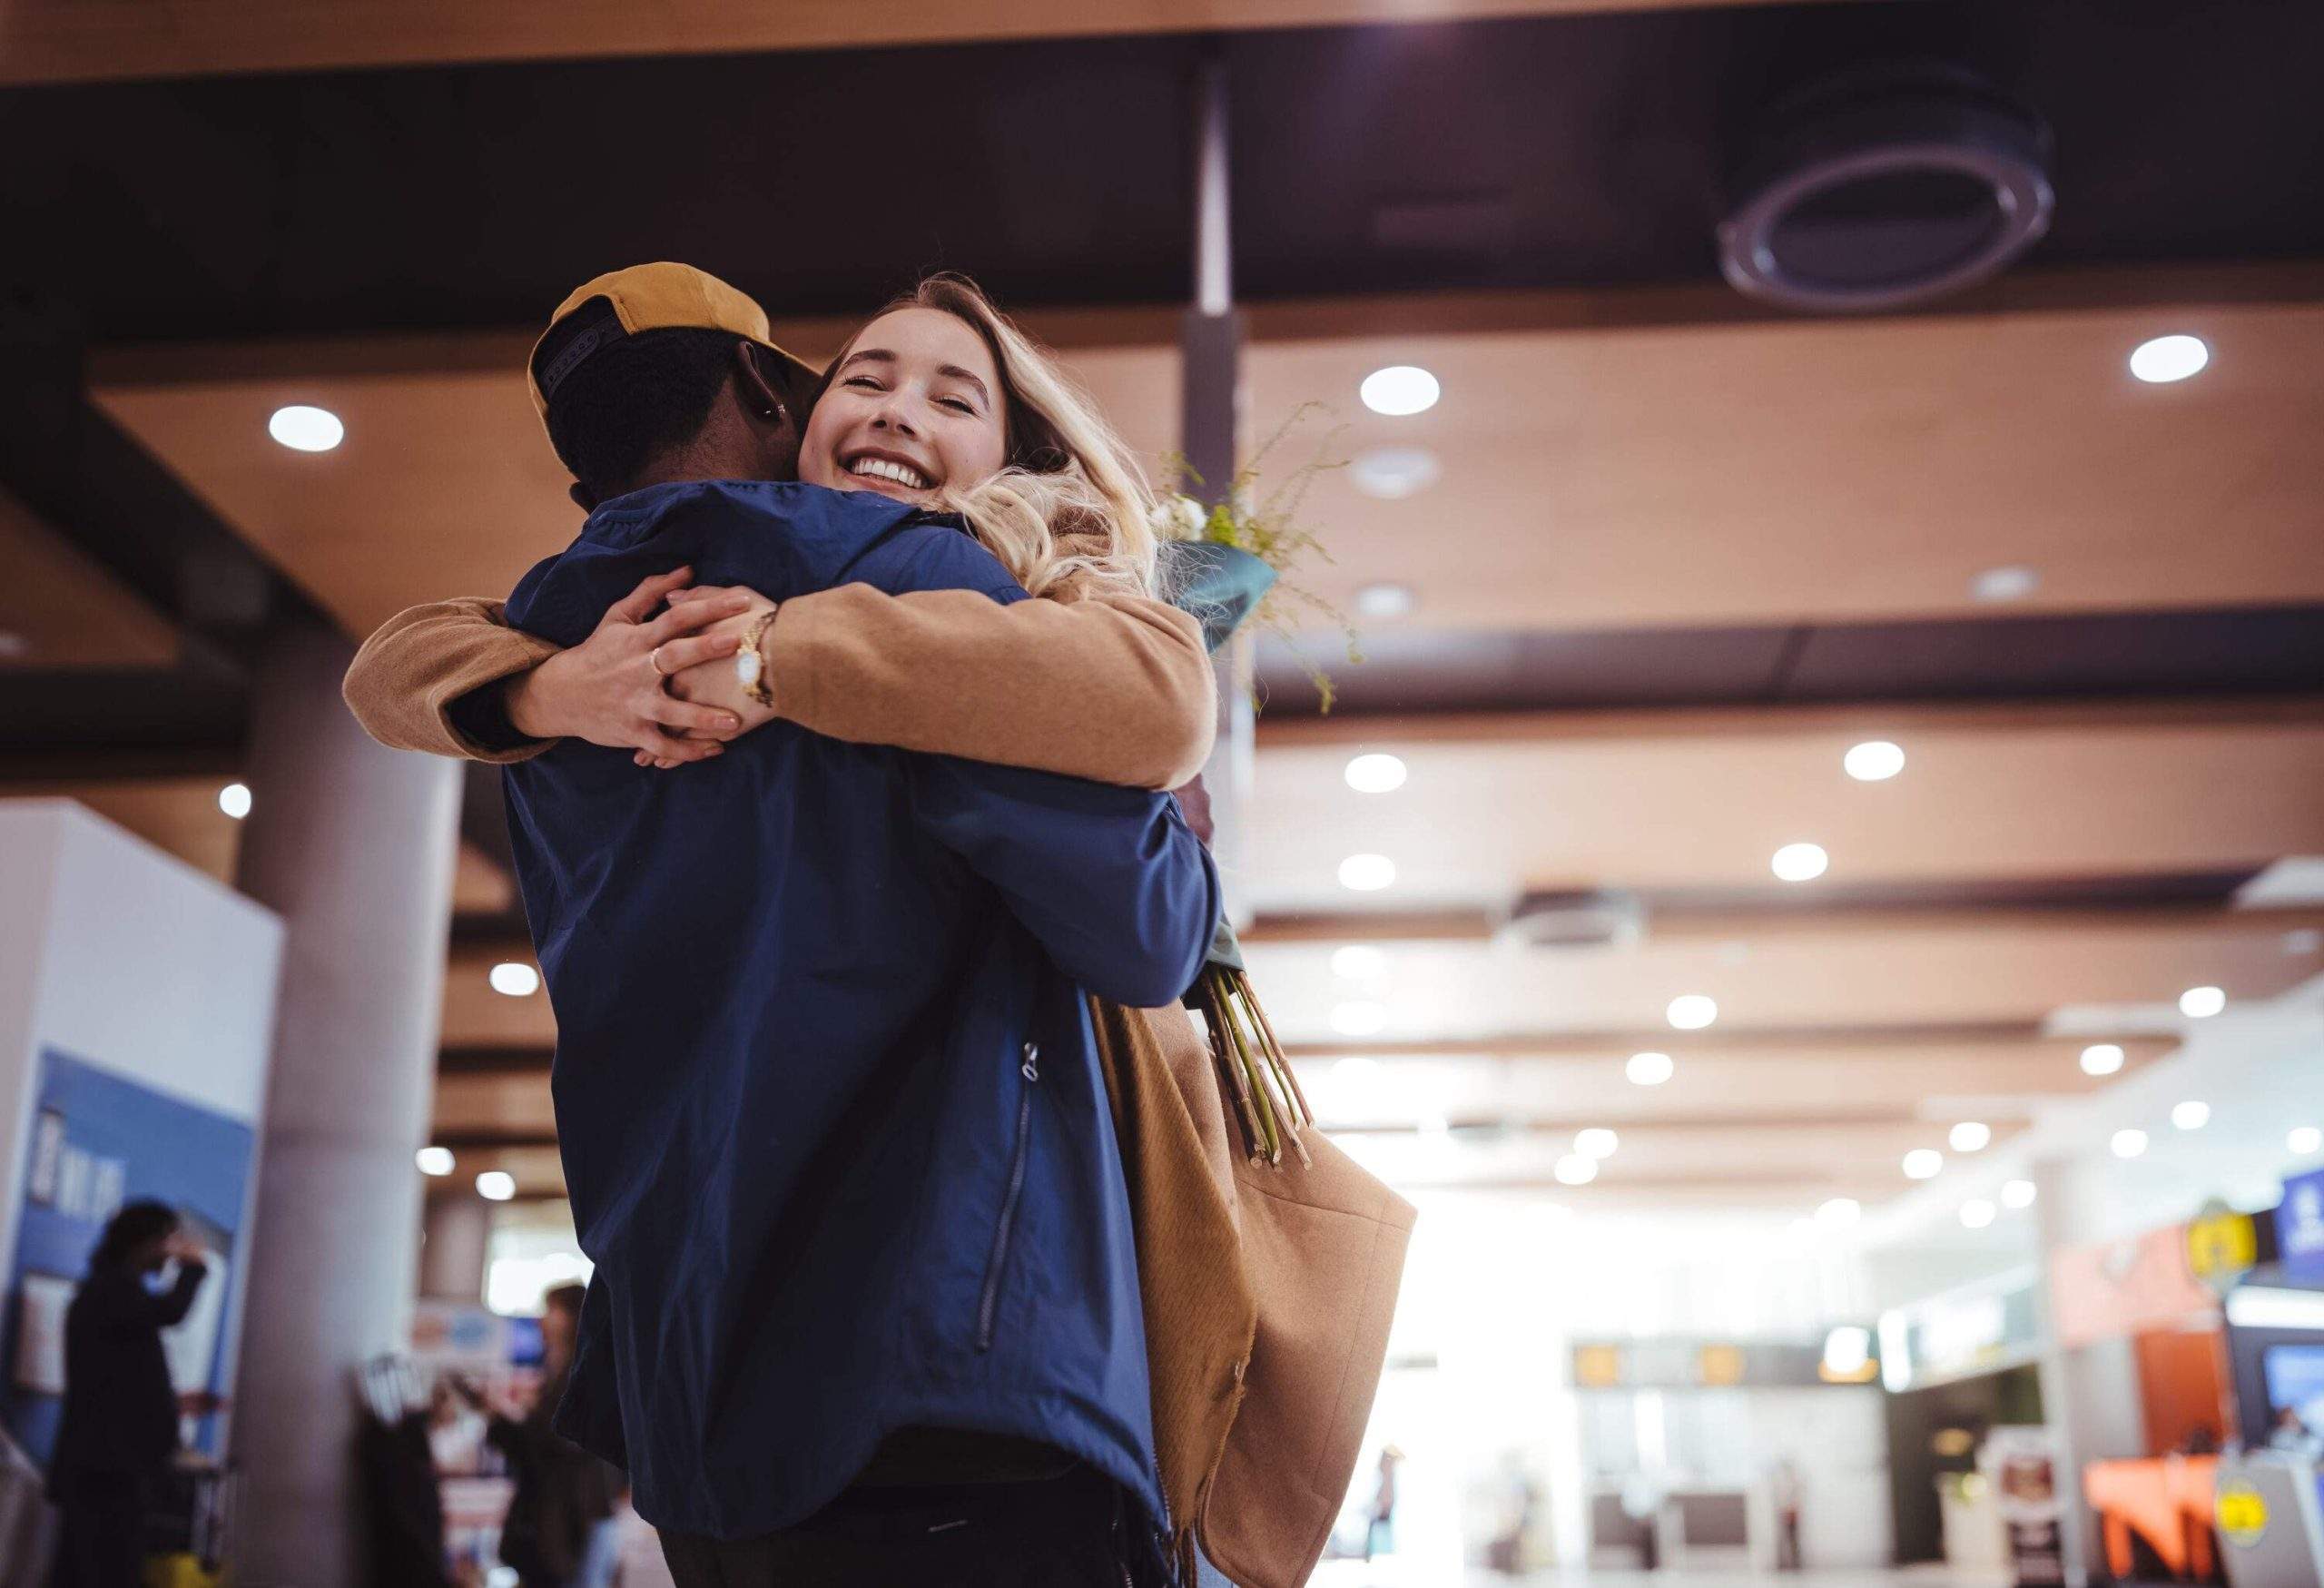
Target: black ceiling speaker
<point>1883,187</point>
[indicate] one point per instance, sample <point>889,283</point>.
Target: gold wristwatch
<point>750,665</point>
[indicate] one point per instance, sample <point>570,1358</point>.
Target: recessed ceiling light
<point>1596,1142</point>
<point>2201,1003</point>
<point>1400,389</point>
<point>2304,1140</point>
<point>1367,874</point>
<point>2005,584</point>
<point>1573,1169</point>
<point>1649,1068</point>
<point>1692,1012</point>
<point>1357,1018</point>
<point>495,1185</point>
<point>2128,1143</point>
<point>2191,1115</point>
<point>306,429</point>
<point>1384,600</point>
<point>234,799</point>
<point>1977,1212</point>
<point>1801,863</point>
<point>1359,962</point>
<point>1394,473</point>
<point>1375,774</point>
<point>515,979</point>
<point>2165,359</point>
<point>2101,1059</point>
<point>14,646</point>
<point>435,1160</point>
<point>1923,1163</point>
<point>2019,1193</point>
<point>1874,761</point>
<point>1970,1136</point>
<point>1839,1212</point>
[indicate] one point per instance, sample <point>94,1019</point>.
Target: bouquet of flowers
<point>1227,563</point>
<point>1239,561</point>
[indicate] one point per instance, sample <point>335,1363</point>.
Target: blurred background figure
<point>561,1530</point>
<point>1782,1492</point>
<point>121,1416</point>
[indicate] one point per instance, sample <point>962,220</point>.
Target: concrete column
<point>458,1238</point>
<point>2063,1217</point>
<point>354,845</point>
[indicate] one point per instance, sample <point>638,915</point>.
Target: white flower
<point>1178,518</point>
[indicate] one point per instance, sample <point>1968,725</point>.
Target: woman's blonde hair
<point>1068,505</point>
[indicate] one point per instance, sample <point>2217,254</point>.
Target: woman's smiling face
<point>915,405</point>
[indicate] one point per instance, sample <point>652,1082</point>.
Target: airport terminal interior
<point>1774,795</point>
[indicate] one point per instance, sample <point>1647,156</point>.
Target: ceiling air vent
<point>1882,188</point>
<point>1588,919</point>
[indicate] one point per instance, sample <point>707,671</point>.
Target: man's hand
<point>1194,805</point>
<point>608,689</point>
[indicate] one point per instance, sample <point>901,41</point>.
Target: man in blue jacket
<point>865,1304</point>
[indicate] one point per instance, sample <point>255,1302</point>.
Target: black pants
<point>102,1543</point>
<point>1073,1532</point>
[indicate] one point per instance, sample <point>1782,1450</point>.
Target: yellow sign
<point>1721,1365</point>
<point>2222,1245</point>
<point>2242,1515</point>
<point>1597,1367</point>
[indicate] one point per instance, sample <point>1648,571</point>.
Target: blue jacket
<point>826,1088</point>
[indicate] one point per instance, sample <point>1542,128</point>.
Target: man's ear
<point>760,398</point>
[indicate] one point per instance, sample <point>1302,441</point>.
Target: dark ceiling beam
<point>1763,922</point>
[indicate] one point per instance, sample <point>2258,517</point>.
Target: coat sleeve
<point>407,683</point>
<point>1113,688</point>
<point>169,1309</point>
<point>1111,882</point>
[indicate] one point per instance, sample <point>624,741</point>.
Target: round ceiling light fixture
<point>1399,391</point>
<point>1874,761</point>
<point>2161,360</point>
<point>1649,1068</point>
<point>1883,187</point>
<point>303,429</point>
<point>1389,474</point>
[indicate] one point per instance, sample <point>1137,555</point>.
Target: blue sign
<point>2300,1226</point>
<point>100,1140</point>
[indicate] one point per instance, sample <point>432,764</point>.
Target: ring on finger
<point>654,659</point>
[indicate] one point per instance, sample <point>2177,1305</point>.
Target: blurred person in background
<point>120,1429</point>
<point>561,1530</point>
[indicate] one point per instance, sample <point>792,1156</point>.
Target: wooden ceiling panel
<point>1831,471</point>
<point>1496,806</point>
<point>57,41</point>
<point>1603,466</point>
<point>1848,977</point>
<point>59,611</point>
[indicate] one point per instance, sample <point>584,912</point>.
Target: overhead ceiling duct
<point>1886,187</point>
<point>1581,919</point>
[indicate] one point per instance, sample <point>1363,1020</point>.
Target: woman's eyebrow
<point>881,354</point>
<point>957,373</point>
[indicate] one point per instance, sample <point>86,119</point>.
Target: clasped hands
<point>655,678</point>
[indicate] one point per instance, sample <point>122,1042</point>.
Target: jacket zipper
<point>988,1305</point>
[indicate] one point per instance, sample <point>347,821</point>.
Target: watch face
<point>747,666</point>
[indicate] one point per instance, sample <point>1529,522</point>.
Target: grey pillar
<point>1210,349</point>
<point>459,1231</point>
<point>2062,1219</point>
<point>354,845</point>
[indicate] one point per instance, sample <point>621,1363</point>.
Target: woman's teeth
<point>881,468</point>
